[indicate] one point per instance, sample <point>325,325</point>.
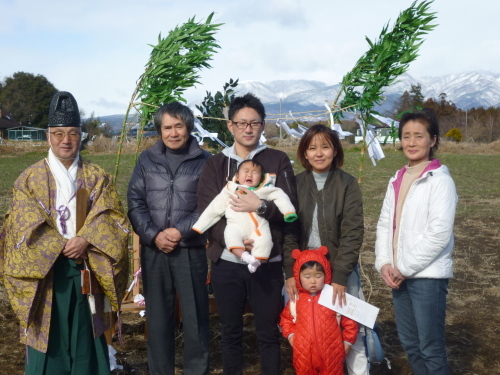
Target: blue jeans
<point>420,308</point>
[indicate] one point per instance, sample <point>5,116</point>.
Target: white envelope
<point>356,309</point>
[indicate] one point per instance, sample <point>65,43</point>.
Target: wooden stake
<point>82,196</point>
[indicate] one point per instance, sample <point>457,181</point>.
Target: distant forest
<point>26,97</point>
<point>475,124</point>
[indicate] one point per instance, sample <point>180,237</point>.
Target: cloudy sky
<point>97,49</point>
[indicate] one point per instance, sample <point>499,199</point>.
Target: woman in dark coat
<point>330,214</point>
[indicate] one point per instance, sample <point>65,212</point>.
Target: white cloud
<point>97,50</point>
<point>266,13</point>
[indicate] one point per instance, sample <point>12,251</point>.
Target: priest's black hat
<point>64,111</point>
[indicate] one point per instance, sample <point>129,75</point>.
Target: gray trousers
<point>183,270</point>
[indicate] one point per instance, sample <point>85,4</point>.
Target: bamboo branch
<point>173,66</point>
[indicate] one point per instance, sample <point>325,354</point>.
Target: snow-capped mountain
<point>270,92</point>
<point>466,90</point>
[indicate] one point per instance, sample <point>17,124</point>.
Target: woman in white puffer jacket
<point>415,243</point>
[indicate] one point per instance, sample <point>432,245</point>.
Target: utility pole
<point>466,136</point>
<point>281,101</point>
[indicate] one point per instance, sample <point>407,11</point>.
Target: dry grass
<point>470,148</point>
<point>105,145</point>
<point>445,147</point>
<point>101,145</point>
<point>12,148</point>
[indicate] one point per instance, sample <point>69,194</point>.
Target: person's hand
<point>397,276</point>
<point>248,202</point>
<point>248,245</point>
<point>76,248</point>
<point>291,288</point>
<point>339,292</point>
<point>290,339</point>
<point>347,347</point>
<point>387,273</point>
<point>163,243</point>
<point>173,234</point>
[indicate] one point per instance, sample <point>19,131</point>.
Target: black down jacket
<point>157,199</point>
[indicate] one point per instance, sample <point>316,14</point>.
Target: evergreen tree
<point>447,112</point>
<point>27,97</point>
<point>447,107</point>
<point>443,100</point>
<point>417,98</point>
<point>213,108</point>
<point>409,101</point>
<point>403,104</point>
<point>93,127</point>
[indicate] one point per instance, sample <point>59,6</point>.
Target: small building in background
<point>26,133</point>
<point>6,123</point>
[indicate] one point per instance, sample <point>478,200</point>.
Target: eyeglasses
<point>73,136</point>
<point>243,124</point>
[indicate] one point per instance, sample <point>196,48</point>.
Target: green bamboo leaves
<point>173,66</point>
<point>387,58</point>
<point>175,63</point>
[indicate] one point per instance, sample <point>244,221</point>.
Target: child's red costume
<point>318,344</point>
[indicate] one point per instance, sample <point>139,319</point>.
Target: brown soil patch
<point>473,322</point>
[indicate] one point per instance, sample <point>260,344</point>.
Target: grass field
<point>473,318</point>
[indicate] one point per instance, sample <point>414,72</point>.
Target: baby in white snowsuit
<point>247,225</point>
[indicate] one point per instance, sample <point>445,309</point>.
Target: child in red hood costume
<point>319,343</point>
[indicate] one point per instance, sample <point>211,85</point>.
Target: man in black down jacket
<point>162,208</point>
